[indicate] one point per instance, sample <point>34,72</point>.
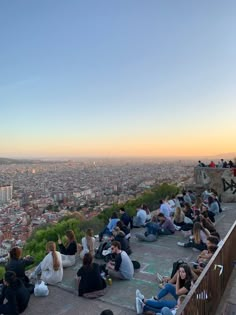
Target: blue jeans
<point>153,305</point>
<point>105,231</point>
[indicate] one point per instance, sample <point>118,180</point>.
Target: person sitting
<point>148,212</point>
<point>69,250</point>
<point>204,258</point>
<point>184,281</point>
<point>124,228</point>
<point>119,236</point>
<point>88,244</point>
<point>213,208</point>
<point>165,208</point>
<point>166,310</point>
<point>187,198</point>
<point>50,270</point>
<point>199,238</point>
<point>91,283</point>
<point>18,265</point>
<point>188,211</point>
<point>122,267</point>
<point>16,294</point>
<point>140,218</point>
<point>109,227</point>
<point>125,218</point>
<point>166,227</point>
<point>151,232</point>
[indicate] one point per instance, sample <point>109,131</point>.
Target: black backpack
<point>101,247</point>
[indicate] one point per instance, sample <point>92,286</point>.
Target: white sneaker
<point>180,244</point>
<point>139,295</point>
<point>159,277</point>
<point>139,306</point>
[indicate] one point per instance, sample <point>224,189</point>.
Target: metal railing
<point>205,295</point>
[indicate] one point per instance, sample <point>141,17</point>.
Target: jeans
<point>105,231</point>
<point>148,238</point>
<point>165,311</point>
<point>153,305</point>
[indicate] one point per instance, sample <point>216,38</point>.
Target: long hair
<point>71,237</point>
<point>51,247</point>
<point>89,240</point>
<point>197,228</point>
<point>187,269</point>
<point>87,260</point>
<point>179,215</point>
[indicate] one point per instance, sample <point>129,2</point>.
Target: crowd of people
<point>193,215</point>
<point>221,164</point>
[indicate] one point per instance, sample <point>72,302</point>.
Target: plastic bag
<point>41,289</point>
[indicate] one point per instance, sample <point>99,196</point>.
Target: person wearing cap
<point>15,293</point>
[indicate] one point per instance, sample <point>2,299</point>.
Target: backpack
<point>100,249</point>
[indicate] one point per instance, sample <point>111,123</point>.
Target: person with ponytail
<point>88,244</point>
<point>50,270</point>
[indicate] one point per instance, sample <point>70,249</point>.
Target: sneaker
<point>180,244</point>
<point>161,285</point>
<point>159,277</point>
<point>139,295</point>
<point>139,306</point>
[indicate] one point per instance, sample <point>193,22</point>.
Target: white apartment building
<point>5,193</point>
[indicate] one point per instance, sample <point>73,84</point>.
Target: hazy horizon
<point>123,78</point>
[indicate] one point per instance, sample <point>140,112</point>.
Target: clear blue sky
<point>125,77</point>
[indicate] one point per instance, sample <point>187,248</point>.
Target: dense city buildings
<point>43,192</point>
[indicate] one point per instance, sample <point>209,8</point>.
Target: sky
<point>117,78</point>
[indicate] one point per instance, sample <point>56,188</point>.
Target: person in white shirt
<point>140,218</point>
<point>165,208</point>
<point>50,269</point>
<point>88,244</point>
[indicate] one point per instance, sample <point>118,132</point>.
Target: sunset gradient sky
<point>117,78</point>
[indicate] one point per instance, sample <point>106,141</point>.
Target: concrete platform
<point>154,257</point>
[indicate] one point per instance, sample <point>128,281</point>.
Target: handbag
<point>41,289</point>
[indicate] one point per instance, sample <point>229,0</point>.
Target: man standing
<point>122,267</point>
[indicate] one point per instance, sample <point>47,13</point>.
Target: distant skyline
<point>117,78</point>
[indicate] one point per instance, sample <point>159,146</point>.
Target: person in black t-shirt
<point>125,218</point>
<point>69,250</point>
<point>90,279</point>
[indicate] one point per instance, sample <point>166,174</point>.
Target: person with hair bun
<point>18,264</point>
<point>15,293</point>
<point>50,268</point>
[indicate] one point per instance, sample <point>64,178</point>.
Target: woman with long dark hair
<point>183,285</point>
<point>91,283</point>
<point>68,250</point>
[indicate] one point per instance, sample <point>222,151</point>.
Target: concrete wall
<point>223,180</point>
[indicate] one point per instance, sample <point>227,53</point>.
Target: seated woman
<point>151,232</point>
<point>15,293</point>
<point>69,250</point>
<point>198,239</point>
<point>91,283</point>
<point>18,265</point>
<point>50,270</point>
<point>184,281</point>
<point>179,217</point>
<point>109,227</point>
<point>88,244</point>
<point>124,228</point>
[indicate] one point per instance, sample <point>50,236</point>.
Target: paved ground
<point>154,257</point>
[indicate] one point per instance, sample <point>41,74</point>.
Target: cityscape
<point>42,192</point>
